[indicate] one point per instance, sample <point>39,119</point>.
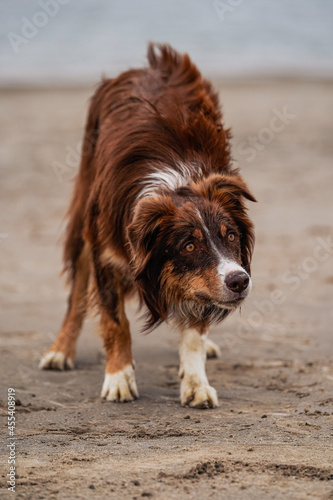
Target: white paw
<point>197,396</point>
<point>212,349</point>
<point>55,360</point>
<point>120,386</point>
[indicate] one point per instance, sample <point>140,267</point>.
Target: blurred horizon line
<point>66,43</point>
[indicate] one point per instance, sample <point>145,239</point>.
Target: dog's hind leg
<point>212,350</point>
<point>62,352</point>
<point>77,254</point>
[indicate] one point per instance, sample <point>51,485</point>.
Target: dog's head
<point>191,250</point>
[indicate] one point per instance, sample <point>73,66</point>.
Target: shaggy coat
<point>156,208</point>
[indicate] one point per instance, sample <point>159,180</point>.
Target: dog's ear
<point>229,192</point>
<point>142,233</point>
<point>150,216</point>
<point>216,185</point>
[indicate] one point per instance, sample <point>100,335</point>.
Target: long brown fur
<point>159,118</point>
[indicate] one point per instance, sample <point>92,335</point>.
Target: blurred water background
<point>74,42</point>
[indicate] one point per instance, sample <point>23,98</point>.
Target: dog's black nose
<point>237,282</point>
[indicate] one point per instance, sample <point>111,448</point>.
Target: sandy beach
<point>272,435</point>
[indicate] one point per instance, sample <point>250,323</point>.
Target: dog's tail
<point>171,64</point>
<point>74,240</point>
<point>178,71</point>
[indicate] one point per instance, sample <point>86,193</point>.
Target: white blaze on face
<point>226,267</point>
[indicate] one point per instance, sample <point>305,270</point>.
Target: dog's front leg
<point>119,382</point>
<point>195,390</point>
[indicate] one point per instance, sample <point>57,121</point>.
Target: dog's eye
<point>190,247</point>
<point>231,237</point>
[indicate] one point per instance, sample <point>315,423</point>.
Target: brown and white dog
<point>156,208</point>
